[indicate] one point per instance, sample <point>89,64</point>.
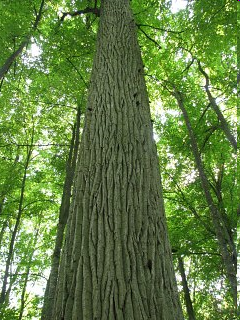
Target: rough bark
<point>188,300</point>
<point>6,66</point>
<point>226,244</point>
<point>117,260</point>
<point>63,216</point>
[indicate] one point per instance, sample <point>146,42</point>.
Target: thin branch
<point>95,11</point>
<point>151,39</point>
<point>142,11</point>
<point>212,100</point>
<point>41,200</point>
<point>203,114</point>
<point>78,72</point>
<point>197,253</point>
<point>32,274</point>
<point>216,12</point>
<point>190,207</point>
<point>34,145</point>
<point>210,132</point>
<point>189,65</point>
<point>161,29</point>
<point>8,63</point>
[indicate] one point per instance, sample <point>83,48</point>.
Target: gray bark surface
<point>117,260</point>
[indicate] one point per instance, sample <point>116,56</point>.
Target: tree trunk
<point>8,184</point>
<point>226,245</point>
<point>3,228</point>
<point>17,223</point>
<point>117,260</point>
<point>190,311</point>
<point>63,216</point>
<point>32,244</point>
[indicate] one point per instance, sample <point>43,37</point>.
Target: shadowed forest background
<point>189,49</point>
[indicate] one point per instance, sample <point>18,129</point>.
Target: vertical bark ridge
<point>117,261</point>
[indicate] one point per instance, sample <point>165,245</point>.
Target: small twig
<point>203,114</point>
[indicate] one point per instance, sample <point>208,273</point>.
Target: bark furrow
<point>117,258</point>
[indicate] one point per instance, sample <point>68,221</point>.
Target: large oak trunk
<point>117,262</point>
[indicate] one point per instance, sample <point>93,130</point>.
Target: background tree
<point>45,86</point>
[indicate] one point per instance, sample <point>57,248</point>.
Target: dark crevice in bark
<point>117,222</point>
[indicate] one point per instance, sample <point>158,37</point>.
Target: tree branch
<point>34,145</point>
<point>151,39</point>
<point>224,124</point>
<point>196,253</point>
<point>160,29</point>
<point>78,72</point>
<point>95,11</point>
<point>8,63</point>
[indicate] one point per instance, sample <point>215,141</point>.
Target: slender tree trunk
<point>63,216</point>
<point>12,279</point>
<point>8,184</point>
<point>23,301</point>
<point>190,311</point>
<point>15,230</point>
<point>6,66</point>
<point>117,260</point>
<point>3,228</point>
<point>226,245</point>
<point>215,107</point>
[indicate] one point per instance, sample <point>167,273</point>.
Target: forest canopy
<point>189,50</point>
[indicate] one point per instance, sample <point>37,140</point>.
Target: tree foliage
<point>190,51</point>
